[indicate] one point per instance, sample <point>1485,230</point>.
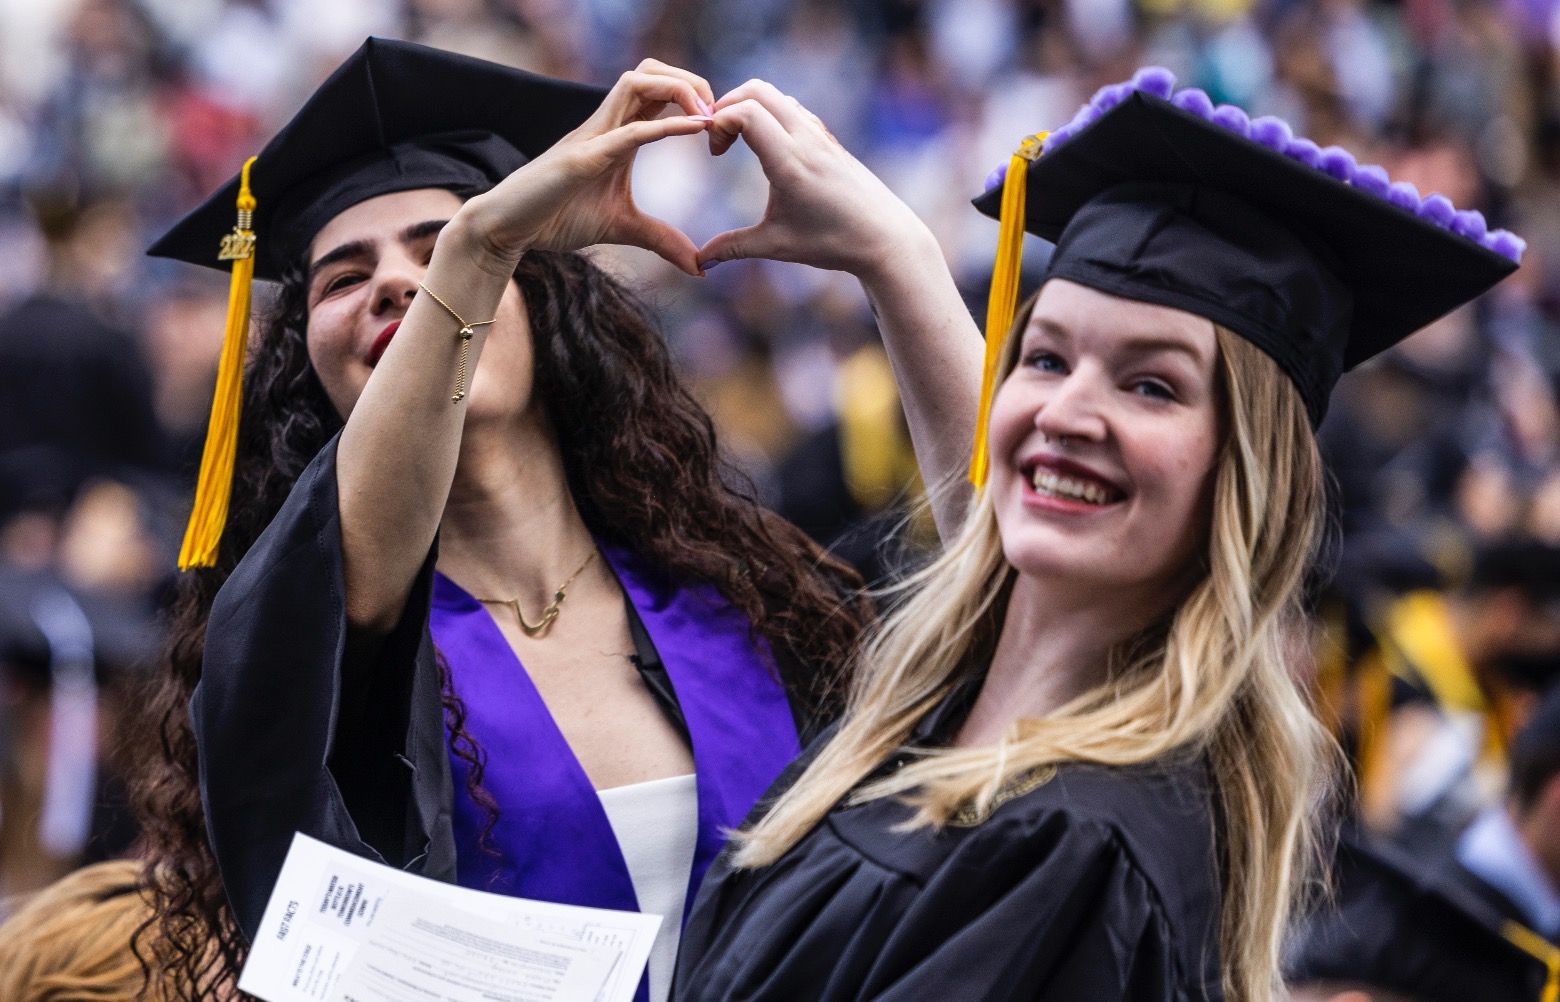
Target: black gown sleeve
<point>301,727</point>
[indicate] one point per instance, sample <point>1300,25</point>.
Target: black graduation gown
<point>361,760</point>
<point>1097,884</point>
<point>298,734</point>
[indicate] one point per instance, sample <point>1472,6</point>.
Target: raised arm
<point>827,210</point>
<point>397,455</point>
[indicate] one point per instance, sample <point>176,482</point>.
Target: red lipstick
<point>382,342</point>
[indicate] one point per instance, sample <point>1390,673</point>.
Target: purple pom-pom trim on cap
<point>1505,243</point>
<point>1086,116</point>
<point>1305,151</point>
<point>1373,179</point>
<point>1274,133</point>
<point>1233,118</point>
<point>1404,195</point>
<point>1155,80</point>
<point>1470,223</point>
<point>1110,95</point>
<point>1437,209</point>
<point>1338,162</point>
<point>1194,100</point>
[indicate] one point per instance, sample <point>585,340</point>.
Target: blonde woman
<point>1076,764</point>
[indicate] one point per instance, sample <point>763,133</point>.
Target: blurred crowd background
<point>1437,628</point>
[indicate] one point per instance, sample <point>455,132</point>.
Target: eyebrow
<point>1136,345</point>
<point>362,248</point>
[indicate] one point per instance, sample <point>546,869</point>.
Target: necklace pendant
<point>541,625</point>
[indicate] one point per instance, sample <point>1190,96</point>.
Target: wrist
<point>470,234</point>
<point>901,255</point>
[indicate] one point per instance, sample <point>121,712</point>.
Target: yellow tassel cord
<point>1541,949</point>
<point>215,486</point>
<point>1003,302</point>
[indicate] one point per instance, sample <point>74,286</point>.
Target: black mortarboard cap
<point>393,117</point>
<point>1319,261</point>
<point>1405,927</point>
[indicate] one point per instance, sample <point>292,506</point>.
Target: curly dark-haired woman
<point>353,660</point>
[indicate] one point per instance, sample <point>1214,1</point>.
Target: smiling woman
<point>1076,760</point>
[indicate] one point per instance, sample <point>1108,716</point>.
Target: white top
<point>657,826</point>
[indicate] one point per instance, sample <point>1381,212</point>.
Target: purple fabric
<point>552,836</point>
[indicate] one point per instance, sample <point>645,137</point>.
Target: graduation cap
<point>1400,927</point>
<point>395,116</point>
<point>1161,197</point>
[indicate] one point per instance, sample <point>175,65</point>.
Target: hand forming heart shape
<point>825,209</point>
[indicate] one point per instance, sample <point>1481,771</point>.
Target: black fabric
<point>1408,926</point>
<point>1099,884</point>
<point>652,671</point>
<point>395,116</point>
<point>296,735</point>
<point>1350,276</point>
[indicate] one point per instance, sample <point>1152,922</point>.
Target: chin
<point>1113,572</point>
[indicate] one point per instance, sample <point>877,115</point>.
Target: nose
<point>1074,408</point>
<point>395,283</point>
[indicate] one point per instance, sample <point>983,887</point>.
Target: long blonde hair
<point>71,942</point>
<point>1214,676</point>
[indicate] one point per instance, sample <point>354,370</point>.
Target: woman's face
<point>364,266</point>
<point>1103,443</point>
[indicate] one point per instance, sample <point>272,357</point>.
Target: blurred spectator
<point>1511,854</point>
<point>1450,678</point>
<point>1401,930</point>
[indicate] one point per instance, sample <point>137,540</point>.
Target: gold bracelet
<point>467,332</point>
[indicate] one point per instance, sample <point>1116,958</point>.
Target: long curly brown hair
<point>641,462</point>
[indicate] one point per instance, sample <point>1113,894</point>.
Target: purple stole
<point>553,839</point>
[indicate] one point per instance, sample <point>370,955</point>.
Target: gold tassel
<point>1003,301</point>
<point>215,486</point>
<point>1541,950</point>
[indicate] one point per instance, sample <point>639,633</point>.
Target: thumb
<point>732,245</point>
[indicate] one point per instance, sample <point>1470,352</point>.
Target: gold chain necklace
<point>548,614</point>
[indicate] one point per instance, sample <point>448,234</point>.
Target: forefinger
<point>640,95</point>
<point>700,85</point>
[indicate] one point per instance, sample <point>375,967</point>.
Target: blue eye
<point>1153,389</point>
<point>1045,361</point>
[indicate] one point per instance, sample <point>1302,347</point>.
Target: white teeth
<point>1067,487</point>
